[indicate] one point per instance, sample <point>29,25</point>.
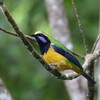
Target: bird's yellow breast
<point>52,57</point>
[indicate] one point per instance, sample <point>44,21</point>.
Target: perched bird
<point>55,53</point>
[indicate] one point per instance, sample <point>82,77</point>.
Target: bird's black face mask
<point>43,42</point>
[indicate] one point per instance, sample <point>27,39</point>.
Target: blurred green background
<point>24,76</point>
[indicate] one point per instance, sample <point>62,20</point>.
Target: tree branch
<point>95,44</point>
<point>15,34</point>
<point>80,26</point>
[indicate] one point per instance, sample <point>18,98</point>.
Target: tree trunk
<point>4,94</point>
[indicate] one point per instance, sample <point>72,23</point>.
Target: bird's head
<point>43,41</point>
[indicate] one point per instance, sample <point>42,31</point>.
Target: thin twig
<point>80,27</point>
<point>77,54</point>
<point>98,38</point>
<point>95,44</point>
<point>13,33</point>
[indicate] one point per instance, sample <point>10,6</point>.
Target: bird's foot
<point>53,66</point>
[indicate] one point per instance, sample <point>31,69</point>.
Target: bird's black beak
<point>34,36</point>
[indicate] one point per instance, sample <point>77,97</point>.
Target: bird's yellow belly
<point>60,62</point>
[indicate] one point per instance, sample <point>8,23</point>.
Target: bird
<point>55,53</point>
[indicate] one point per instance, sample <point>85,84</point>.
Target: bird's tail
<point>88,77</point>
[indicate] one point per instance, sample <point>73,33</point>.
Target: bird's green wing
<point>57,43</point>
<point>67,55</point>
